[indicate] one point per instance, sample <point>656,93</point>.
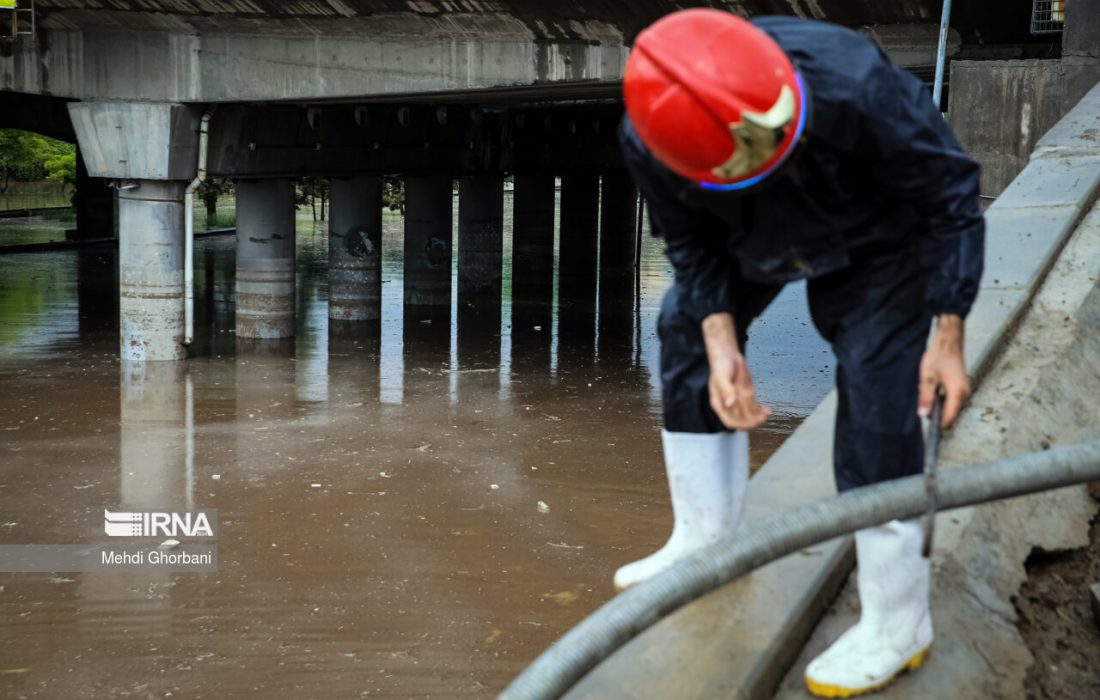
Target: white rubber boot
<point>707,475</point>
<point>894,632</point>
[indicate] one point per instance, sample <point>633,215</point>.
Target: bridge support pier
<point>265,258</point>
<point>150,265</point>
<point>355,249</point>
<point>618,235</point>
<point>428,244</point>
<point>480,240</point>
<point>480,261</point>
<point>533,240</point>
<point>578,244</point>
<point>618,217</point>
<point>532,269</point>
<point>150,150</point>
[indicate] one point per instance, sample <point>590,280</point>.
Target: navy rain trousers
<point>875,317</point>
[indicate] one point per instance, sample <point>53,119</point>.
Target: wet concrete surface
<point>409,510</point>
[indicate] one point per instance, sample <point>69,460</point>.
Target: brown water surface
<point>410,512</point>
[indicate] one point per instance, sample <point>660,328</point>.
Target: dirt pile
<point>1057,623</point>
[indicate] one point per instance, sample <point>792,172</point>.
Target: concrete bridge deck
<point>215,51</point>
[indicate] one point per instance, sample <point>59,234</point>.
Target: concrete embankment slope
<point>1031,343</point>
<point>1042,390</point>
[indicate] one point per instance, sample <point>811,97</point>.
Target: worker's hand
<point>732,395</point>
<point>943,365</point>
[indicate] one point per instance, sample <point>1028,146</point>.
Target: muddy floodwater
<point>415,511</point>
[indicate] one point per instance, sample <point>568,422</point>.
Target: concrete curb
<point>740,640</point>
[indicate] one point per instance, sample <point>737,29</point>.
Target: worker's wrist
<point>719,335</point>
<point>950,330</point>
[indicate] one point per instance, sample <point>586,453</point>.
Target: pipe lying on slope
<point>627,615</point>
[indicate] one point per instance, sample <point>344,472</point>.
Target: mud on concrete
<point>1066,644</point>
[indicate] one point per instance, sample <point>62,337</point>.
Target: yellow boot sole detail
<point>824,690</point>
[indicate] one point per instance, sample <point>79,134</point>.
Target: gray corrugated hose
<point>629,614</point>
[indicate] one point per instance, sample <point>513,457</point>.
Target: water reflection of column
<point>214,304</point>
<point>354,366</point>
<point>265,258</point>
<point>577,261</point>
<point>206,303</point>
<point>156,461</point>
<point>311,367</point>
<point>96,291</point>
<point>153,435</point>
<point>480,250</point>
<point>355,249</point>
<point>618,212</point>
<point>211,322</point>
<point>264,375</point>
<point>532,270</point>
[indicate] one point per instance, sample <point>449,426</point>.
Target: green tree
<point>18,158</point>
<point>393,193</point>
<point>62,168</point>
<point>29,157</point>
<point>208,191</point>
<point>311,190</point>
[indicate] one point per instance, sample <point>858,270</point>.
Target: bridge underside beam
<point>269,50</point>
<point>264,141</point>
<point>223,58</point>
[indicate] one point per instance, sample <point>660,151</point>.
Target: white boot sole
<point>827,690</point>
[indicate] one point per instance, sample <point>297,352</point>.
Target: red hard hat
<point>714,98</point>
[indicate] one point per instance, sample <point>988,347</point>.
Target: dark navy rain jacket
<point>878,169</point>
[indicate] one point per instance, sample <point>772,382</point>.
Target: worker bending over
<point>783,149</point>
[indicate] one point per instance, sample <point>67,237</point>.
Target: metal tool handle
<point>931,455</point>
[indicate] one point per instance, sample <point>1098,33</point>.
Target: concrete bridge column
<point>150,266</point>
<point>428,241</point>
<point>150,150</point>
<point>618,215</point>
<point>532,270</point>
<point>480,262</point>
<point>618,236</point>
<point>265,258</point>
<point>480,240</point>
<point>578,244</point>
<point>533,240</point>
<point>355,249</point>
